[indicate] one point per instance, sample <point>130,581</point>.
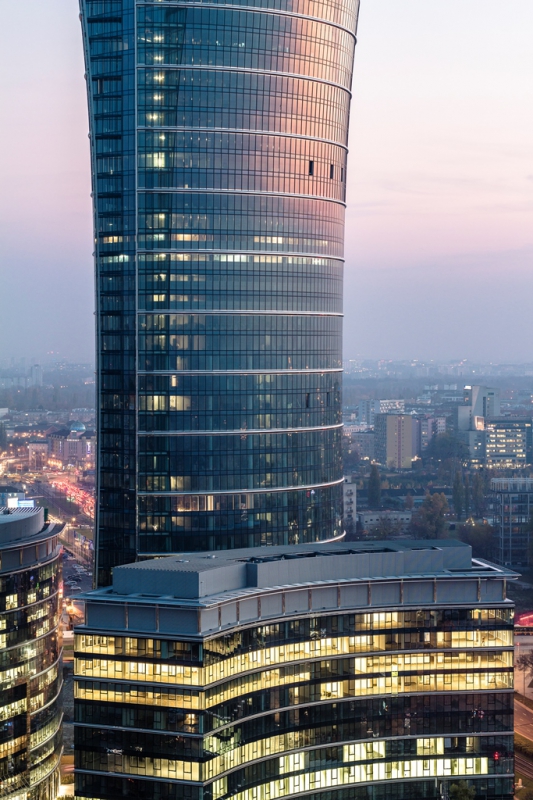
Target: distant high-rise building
<point>492,440</point>
<point>394,440</point>
<point>376,670</point>
<point>36,375</point>
<point>218,144</point>
<point>479,403</point>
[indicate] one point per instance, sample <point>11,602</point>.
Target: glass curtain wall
<point>218,141</point>
<point>31,676</point>
<point>374,706</point>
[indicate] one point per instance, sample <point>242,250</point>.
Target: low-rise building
<point>74,446</point>
<point>511,512</point>
<point>341,670</point>
<point>367,520</point>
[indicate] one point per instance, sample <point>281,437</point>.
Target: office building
<point>394,440</point>
<point>218,142</point>
<point>510,507</point>
<point>479,403</point>
<point>30,656</point>
<point>508,443</point>
<point>375,670</point>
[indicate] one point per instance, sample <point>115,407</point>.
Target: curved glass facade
<point>31,676</point>
<point>390,703</point>
<point>218,142</point>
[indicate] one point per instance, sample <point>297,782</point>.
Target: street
<point>75,573</point>
<point>523,720</point>
<point>524,766</point>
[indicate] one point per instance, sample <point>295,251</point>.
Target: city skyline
<point>439,183</point>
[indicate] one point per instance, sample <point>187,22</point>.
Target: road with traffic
<point>523,720</point>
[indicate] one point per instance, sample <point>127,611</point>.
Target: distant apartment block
<point>364,443</point>
<point>394,440</point>
<point>21,378</point>
<point>511,509</point>
<point>369,408</point>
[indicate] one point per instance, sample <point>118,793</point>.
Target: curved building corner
<point>30,656</point>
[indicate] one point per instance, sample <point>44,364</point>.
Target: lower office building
<point>334,672</point>
<point>510,509</point>
<point>508,443</point>
<point>30,656</point>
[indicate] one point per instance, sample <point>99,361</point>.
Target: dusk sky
<point>439,244</point>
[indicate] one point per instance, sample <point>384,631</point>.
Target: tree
<point>429,522</point>
<point>445,454</point>
<point>462,791</point>
<point>385,529</point>
<point>524,663</point>
<point>467,495</point>
<point>478,495</point>
<point>458,494</point>
<point>445,446</point>
<point>409,502</point>
<point>482,539</point>
<point>374,488</point>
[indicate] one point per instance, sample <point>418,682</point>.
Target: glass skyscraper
<point>218,143</point>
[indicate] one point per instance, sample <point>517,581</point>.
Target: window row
<point>245,39</point>
<point>185,420</point>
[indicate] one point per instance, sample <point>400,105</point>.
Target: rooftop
<point>204,576</point>
<point>17,524</point>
